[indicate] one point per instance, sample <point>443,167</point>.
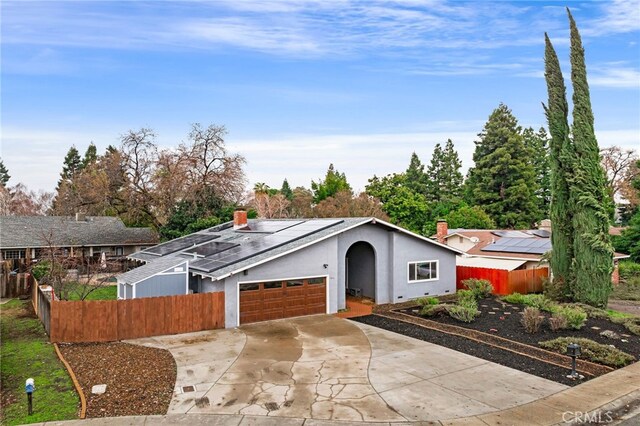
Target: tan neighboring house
<point>27,237</point>
<point>506,249</point>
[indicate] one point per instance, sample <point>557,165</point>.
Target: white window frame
<point>415,264</point>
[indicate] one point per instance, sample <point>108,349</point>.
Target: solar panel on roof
<point>511,234</point>
<point>258,246</point>
<point>542,233</point>
<point>520,245</point>
<point>270,226</point>
<point>211,247</point>
<point>180,244</point>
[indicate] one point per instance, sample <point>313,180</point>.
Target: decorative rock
<point>493,329</point>
<point>624,340</point>
<point>485,306</point>
<point>595,328</point>
<point>491,313</point>
<point>496,309</point>
<point>507,313</point>
<point>99,389</point>
<point>610,334</point>
<point>502,318</point>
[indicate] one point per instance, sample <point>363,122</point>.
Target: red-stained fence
<point>505,282</point>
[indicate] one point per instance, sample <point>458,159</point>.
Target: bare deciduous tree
<point>618,164</point>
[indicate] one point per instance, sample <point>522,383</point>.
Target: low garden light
<point>574,351</point>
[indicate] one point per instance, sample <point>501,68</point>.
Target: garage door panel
<point>268,301</point>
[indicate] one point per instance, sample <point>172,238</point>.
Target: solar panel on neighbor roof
<point>180,244</point>
<point>211,247</point>
<point>511,234</point>
<point>258,246</point>
<point>542,233</point>
<point>520,245</point>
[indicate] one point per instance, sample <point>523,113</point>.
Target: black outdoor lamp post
<point>573,350</point>
<point>29,387</point>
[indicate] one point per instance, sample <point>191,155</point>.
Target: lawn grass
<point>628,289</point>
<point>109,292</point>
<point>26,352</point>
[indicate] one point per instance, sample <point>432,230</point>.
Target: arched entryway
<point>360,269</point>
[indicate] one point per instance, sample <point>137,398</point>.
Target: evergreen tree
<point>561,160</point>
<point>538,146</point>
<point>4,174</point>
<point>334,182</point>
<point>416,179</point>
<point>503,179</point>
<point>593,254</point>
<point>444,177</point>
<point>286,190</point>
<point>71,165</point>
<point>90,156</point>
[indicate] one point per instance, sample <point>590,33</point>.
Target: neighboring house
<point>271,269</point>
<point>505,249</point>
<point>29,237</point>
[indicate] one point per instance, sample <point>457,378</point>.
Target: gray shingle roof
<point>228,234</point>
<point>65,231</point>
<point>151,268</point>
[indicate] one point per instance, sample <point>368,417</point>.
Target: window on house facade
<point>119,251</point>
<point>14,254</point>
<point>423,271</point>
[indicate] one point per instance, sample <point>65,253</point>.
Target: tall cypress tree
<point>561,161</point>
<point>593,254</point>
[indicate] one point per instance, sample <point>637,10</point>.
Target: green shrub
<point>539,301</point>
<point>628,269</point>
<point>554,289</point>
<point>433,310</point>
<point>591,351</point>
<point>515,298</point>
<point>41,269</point>
<point>463,312</point>
<point>465,296</point>
<point>531,319</point>
<point>557,322</point>
<point>479,288</point>
<point>575,317</point>
<point>426,301</point>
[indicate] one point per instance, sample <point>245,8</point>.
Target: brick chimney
<point>545,225</point>
<point>239,219</point>
<point>442,229</point>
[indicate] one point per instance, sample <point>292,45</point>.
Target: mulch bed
<point>140,380</point>
<point>505,322</point>
<point>500,356</point>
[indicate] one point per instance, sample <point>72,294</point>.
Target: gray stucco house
<point>271,269</point>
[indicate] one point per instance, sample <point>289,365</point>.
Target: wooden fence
<point>505,282</point>
<point>111,320</point>
<point>13,284</point>
<point>41,305</point>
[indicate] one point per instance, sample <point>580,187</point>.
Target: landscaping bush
<point>591,351</point>
<point>434,310</point>
<point>554,289</point>
<point>427,301</point>
<point>628,269</point>
<point>479,288</point>
<point>557,322</point>
<point>575,317</point>
<point>531,319</point>
<point>464,312</point>
<point>540,302</point>
<point>466,296</point>
<point>40,270</point>
<point>515,298</point>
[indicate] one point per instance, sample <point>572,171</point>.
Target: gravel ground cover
<point>140,380</point>
<point>503,319</point>
<point>470,347</point>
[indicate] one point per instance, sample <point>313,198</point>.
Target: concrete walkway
<point>326,368</point>
<point>411,380</point>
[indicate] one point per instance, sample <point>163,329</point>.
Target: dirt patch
<point>140,380</point>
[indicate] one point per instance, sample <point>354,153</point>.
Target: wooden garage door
<point>282,299</point>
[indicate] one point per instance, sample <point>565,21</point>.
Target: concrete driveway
<point>327,368</point>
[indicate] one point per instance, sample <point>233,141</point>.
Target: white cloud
<point>616,77</point>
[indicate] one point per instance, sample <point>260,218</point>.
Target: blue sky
<point>299,84</point>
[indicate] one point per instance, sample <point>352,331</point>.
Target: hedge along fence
<point>505,282</point>
<point>111,320</point>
